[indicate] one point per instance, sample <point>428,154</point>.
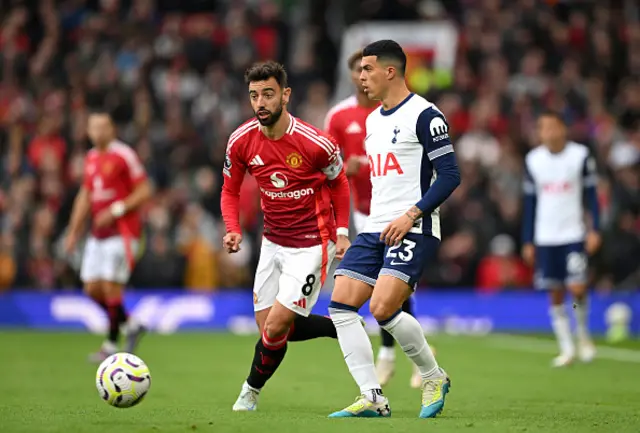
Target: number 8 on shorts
<point>292,276</point>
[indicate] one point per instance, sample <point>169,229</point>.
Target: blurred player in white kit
<point>559,176</point>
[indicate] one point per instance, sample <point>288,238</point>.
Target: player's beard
<point>272,118</point>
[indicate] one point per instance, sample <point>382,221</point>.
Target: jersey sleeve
<point>432,131</point>
<point>132,164</point>
<point>233,172</point>
<point>329,161</point>
<point>328,158</point>
<point>528,205</point>
<point>590,185</point>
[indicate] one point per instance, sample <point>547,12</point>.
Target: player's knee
<point>275,329</point>
<point>113,290</point>
<point>556,296</point>
<point>94,290</point>
<point>348,291</point>
<point>381,310</point>
<point>578,290</point>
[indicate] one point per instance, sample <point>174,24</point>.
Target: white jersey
<point>557,181</point>
<point>401,144</point>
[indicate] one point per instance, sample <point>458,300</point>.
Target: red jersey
<point>110,176</point>
<point>346,122</point>
<point>298,176</point>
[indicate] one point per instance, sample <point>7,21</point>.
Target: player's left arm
<point>330,163</point>
<point>590,191</point>
<point>432,130</point>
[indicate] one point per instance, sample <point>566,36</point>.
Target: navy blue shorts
<point>369,257</point>
<point>559,265</point>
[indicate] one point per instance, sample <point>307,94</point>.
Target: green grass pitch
<point>500,384</point>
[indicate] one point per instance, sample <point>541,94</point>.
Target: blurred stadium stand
<point>171,72</point>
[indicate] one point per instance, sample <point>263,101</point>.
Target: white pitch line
<point>537,345</point>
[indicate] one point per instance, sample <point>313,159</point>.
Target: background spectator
<point>171,74</point>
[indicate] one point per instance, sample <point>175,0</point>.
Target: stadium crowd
<point>171,74</point>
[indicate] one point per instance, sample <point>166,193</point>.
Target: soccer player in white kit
<point>559,174</point>
<point>413,170</point>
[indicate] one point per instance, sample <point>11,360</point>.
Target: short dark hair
<point>353,58</point>
<point>387,49</point>
<point>553,114</point>
<point>262,71</point>
<point>98,111</point>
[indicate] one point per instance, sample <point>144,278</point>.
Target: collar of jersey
<point>397,107</point>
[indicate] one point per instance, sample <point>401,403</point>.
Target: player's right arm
<point>79,214</point>
<point>528,215</point>
<point>233,173</point>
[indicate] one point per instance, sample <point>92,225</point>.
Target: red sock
<point>117,316</point>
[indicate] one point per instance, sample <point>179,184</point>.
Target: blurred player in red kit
<point>346,123</point>
<point>115,185</point>
<point>305,201</point>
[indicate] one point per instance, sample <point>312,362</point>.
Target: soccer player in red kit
<point>346,123</point>
<point>115,185</point>
<point>305,201</point>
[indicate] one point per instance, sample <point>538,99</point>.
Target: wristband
<point>343,231</point>
<point>118,209</point>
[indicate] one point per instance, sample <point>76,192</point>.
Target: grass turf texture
<point>500,384</point>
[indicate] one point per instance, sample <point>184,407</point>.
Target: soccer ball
<point>123,380</point>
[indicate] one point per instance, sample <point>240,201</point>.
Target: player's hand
<point>353,165</point>
<point>231,242</point>
<point>529,254</point>
<point>70,242</point>
<point>342,246</point>
<point>398,228</point>
<point>593,242</point>
<point>104,219</point>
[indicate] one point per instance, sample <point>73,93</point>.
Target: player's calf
<point>95,291</point>
<point>586,348</point>
<point>268,355</point>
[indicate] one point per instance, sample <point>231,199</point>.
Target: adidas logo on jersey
<point>354,128</point>
<point>302,303</point>
<point>256,161</point>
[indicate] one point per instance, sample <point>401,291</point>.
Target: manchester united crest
<point>294,160</point>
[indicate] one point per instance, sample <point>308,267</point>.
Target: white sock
<point>387,353</point>
<point>562,329</point>
<point>246,386</point>
<point>357,350</point>
<point>581,314</point>
<point>409,335</point>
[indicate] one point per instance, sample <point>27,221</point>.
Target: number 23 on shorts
<point>402,253</point>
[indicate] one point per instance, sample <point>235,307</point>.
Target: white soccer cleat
<point>434,392</point>
<point>385,368</point>
<point>247,400</point>
<point>562,360</point>
<point>586,351</point>
<point>106,350</point>
<point>416,379</point>
<point>365,408</point>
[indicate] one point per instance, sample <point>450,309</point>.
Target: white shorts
<point>106,260</point>
<point>292,276</point>
<point>359,220</point>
